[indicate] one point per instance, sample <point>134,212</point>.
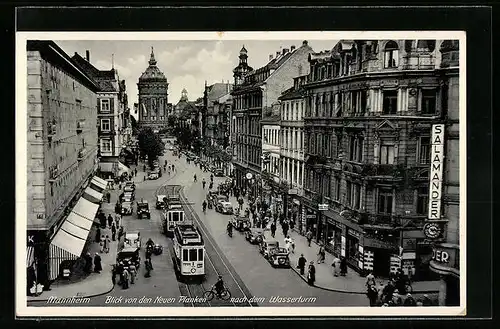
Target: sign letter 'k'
<point>31,239</point>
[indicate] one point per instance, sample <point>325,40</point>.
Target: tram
<point>189,250</point>
<point>173,215</point>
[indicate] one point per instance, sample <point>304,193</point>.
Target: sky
<point>186,64</point>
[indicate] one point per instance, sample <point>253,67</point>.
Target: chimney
<point>285,50</point>
<point>304,43</point>
<point>87,55</point>
<point>271,57</point>
<point>277,54</point>
<point>292,48</point>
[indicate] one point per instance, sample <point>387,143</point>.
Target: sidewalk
<point>351,283</point>
<point>95,284</point>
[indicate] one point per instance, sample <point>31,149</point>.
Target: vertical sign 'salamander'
<point>436,172</point>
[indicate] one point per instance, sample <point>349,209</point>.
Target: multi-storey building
<point>186,112</point>
<point>446,251</point>
<point>254,93</point>
<point>62,156</point>
<point>153,97</point>
<point>271,158</point>
<point>370,109</point>
<point>112,115</point>
<point>292,150</point>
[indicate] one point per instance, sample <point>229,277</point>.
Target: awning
<point>336,217</point>
<point>106,166</point>
<point>122,168</point>
<point>30,256</point>
<point>75,230</point>
<point>93,195</point>
<point>79,221</point>
<point>99,182</point>
<point>56,256</point>
<point>85,209</point>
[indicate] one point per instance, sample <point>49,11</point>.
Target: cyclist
<point>219,286</point>
<point>150,243</point>
<point>194,177</point>
<point>204,205</point>
<point>229,228</point>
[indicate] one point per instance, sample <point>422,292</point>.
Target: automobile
<point>224,207</point>
<point>267,245</point>
<point>153,176</point>
<point>219,172</point>
<point>254,235</point>
<point>126,208</point>
<point>143,209</point>
<point>160,203</point>
<point>128,197</point>
<point>132,239</point>
<point>279,257</point>
<point>129,188</point>
<point>129,254</point>
<point>241,223</point>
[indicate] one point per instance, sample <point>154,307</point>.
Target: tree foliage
<point>150,144</point>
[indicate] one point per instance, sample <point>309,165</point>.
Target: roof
<point>291,94</point>
<point>103,78</point>
<point>152,71</point>
<point>217,90</point>
<point>51,51</point>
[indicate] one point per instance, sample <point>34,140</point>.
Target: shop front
<point>37,255</point>
<point>380,257</point>
<point>354,249</point>
<point>311,217</point>
<point>334,233</point>
<point>446,262</point>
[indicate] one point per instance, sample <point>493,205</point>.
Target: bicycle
<point>210,294</point>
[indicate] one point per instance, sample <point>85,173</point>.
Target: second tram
<point>189,250</point>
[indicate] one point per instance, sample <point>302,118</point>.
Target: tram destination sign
<point>436,172</point>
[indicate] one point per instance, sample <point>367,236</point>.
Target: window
<point>391,55</point>
<point>105,124</point>
<point>385,201</point>
<point>348,193</point>
<point>185,255</point>
<point>200,254</point>
<point>386,154</point>
<point>357,196</point>
<point>422,200</point>
<point>339,146</point>
<point>105,145</point>
<point>356,149</point>
<point>105,105</point>
<point>424,150</point>
<point>390,101</point>
<point>193,255</point>
<point>428,101</point>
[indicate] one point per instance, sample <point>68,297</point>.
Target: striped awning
<point>86,209</point>
<point>30,256</point>
<point>122,168</point>
<point>93,195</point>
<point>99,182</point>
<point>56,257</point>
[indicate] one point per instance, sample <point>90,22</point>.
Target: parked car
<point>127,208</point>
<point>224,207</point>
<point>153,176</point>
<point>241,223</point>
<point>133,239</point>
<point>160,203</point>
<point>219,172</point>
<point>267,245</point>
<point>128,197</point>
<point>143,209</point>
<point>130,184</point>
<point>278,257</point>
<point>254,235</point>
<point>130,255</point>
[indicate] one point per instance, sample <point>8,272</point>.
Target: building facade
<point>113,125</point>
<point>62,146</point>
<point>153,97</point>
<point>292,151</point>
<point>270,171</point>
<point>254,94</point>
<point>370,107</point>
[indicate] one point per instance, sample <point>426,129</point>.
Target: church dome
<point>152,72</point>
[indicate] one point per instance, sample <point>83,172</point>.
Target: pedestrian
<point>135,171</point>
<point>409,301</point>
<point>311,274</point>
<point>273,229</point>
<point>426,301</point>
<point>113,232</point>
<point>396,298</point>
<point>321,254</point>
<point>301,264</point>
<point>113,274</point>
<point>110,220</point>
<point>336,266</point>
<point>118,218</point>
<point>108,244</point>
<point>98,235</point>
<point>88,263</point>
<point>97,263</point>
<point>372,294</point>
<point>343,266</point>
<point>309,237</point>
<point>370,279</point>
<point>133,273</point>
<point>101,243</point>
<point>285,228</point>
<point>288,244</point>
<point>387,291</point>
<point>126,276</point>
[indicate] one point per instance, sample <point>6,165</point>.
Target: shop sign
<point>342,246</point>
<point>354,233</point>
<point>433,231</point>
<point>436,172</point>
<point>323,206</point>
<point>445,258</point>
<point>249,175</point>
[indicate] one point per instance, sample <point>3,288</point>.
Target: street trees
<point>150,144</point>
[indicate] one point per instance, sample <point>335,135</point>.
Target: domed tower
<point>153,96</point>
<point>242,69</point>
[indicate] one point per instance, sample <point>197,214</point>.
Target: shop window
<point>387,154</point>
<point>424,150</point>
<point>429,101</point>
<point>391,55</point>
<point>385,201</point>
<point>390,101</point>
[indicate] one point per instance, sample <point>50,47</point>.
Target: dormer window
<point>391,55</point>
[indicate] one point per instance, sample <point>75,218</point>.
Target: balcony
<point>381,221</point>
<point>419,62</point>
<point>383,170</point>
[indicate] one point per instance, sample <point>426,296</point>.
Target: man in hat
<point>302,264</point>
<point>311,274</point>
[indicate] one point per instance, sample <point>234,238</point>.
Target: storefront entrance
<point>352,240</point>
<point>381,263</point>
<point>334,238</point>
